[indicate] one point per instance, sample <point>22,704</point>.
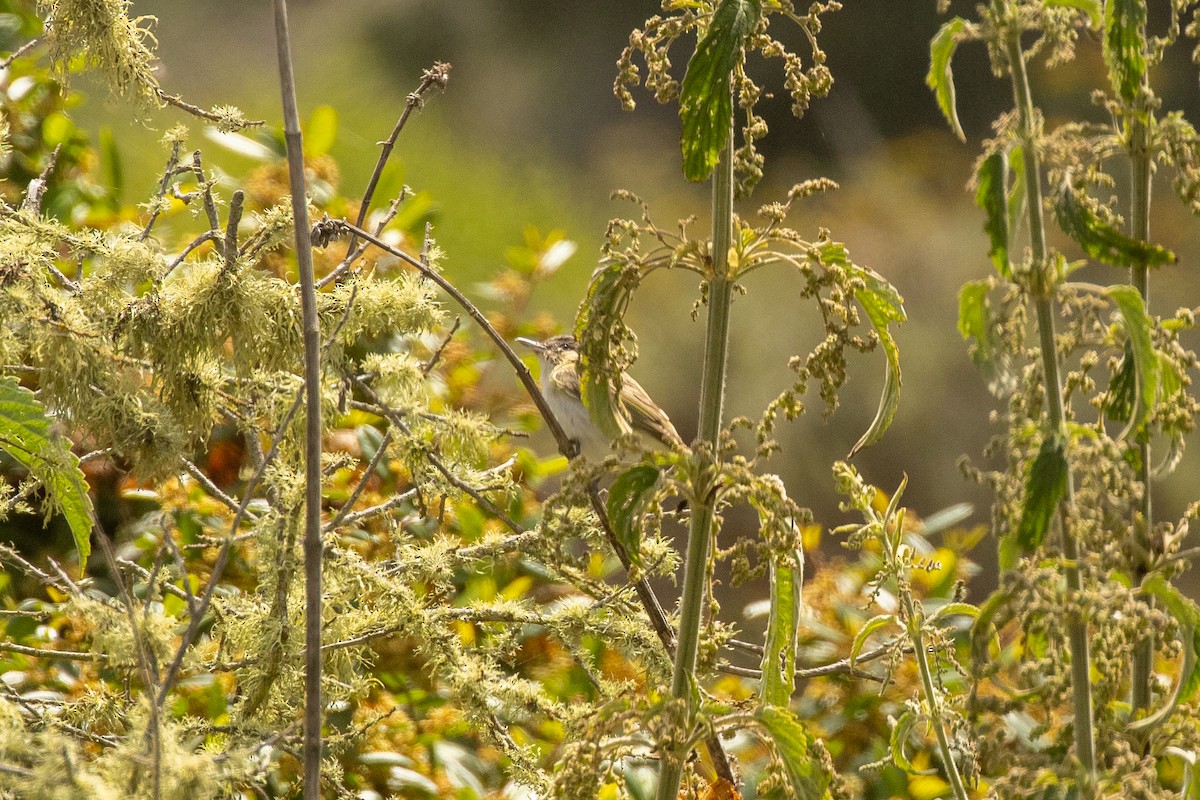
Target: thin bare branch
<point>436,76</point>
<point>312,390</point>
<point>37,187</point>
<point>207,236</point>
<point>196,111</point>
<point>369,470</point>
<point>46,652</point>
<point>231,227</point>
<point>20,51</point>
<point>353,255</point>
<point>212,488</point>
<point>218,569</point>
<point>437,354</point>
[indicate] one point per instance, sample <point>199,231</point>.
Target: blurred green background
<point>528,132</point>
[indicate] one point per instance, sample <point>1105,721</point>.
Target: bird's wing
<point>644,415</point>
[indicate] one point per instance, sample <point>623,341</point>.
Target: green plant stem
<point>312,411</point>
<point>1139,157</point>
<point>712,402</point>
<point>1077,631</point>
<point>932,698</point>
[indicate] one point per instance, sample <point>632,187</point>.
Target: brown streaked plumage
<point>637,413</point>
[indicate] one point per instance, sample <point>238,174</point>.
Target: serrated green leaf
<point>1016,193</point>
<point>883,305</point>
<point>1147,366</point>
<point>974,322</point>
<point>1100,240</point>
<point>972,311</point>
<point>26,434</point>
<point>941,77</point>
<point>955,608</point>
<point>873,624</point>
<point>896,740</point>
<point>598,324</point>
<point>984,626</point>
<point>1045,485</point>
<point>1121,396</point>
<point>626,502</point>
<point>798,753</point>
<point>991,195</point>
<point>1187,612</point>
<point>779,655</point>
<point>321,131</point>
<point>1089,7</point>
<point>1124,46</point>
<point>705,100</point>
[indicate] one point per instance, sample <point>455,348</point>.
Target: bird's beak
<point>532,344</point>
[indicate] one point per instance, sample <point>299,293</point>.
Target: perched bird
<point>636,412</point>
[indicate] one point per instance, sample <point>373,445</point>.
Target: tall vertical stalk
<point>1043,289</point>
<point>932,696</point>
<point>712,402</point>
<point>1141,177</point>
<point>312,412</point>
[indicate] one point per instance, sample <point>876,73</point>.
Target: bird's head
<point>555,350</point>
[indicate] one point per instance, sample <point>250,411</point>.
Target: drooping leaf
<point>598,327</point>
<point>873,624</point>
<point>26,434</point>
<point>897,739</point>
<point>983,629</point>
<point>1124,48</point>
<point>1187,612</point>
<point>955,608</point>
<point>626,502</point>
<point>798,752</point>
<point>705,101</point>
<point>941,78</point>
<point>1147,367</point>
<point>1101,240</point>
<point>779,655</point>
<point>1122,389</point>
<point>991,196</point>
<point>883,305</point>
<point>1016,193</point>
<point>974,322</point>
<point>1045,485</point>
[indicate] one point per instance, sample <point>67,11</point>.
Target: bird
<point>636,412</point>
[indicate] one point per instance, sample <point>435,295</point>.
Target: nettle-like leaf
<point>627,500</point>
<point>1099,239</point>
<point>941,78</point>
<point>1122,389</point>
<point>883,305</point>
<point>874,624</point>
<point>599,326</point>
<point>26,434</point>
<point>991,195</point>
<point>983,629</point>
<point>974,322</point>
<point>1016,193</point>
<point>797,749</point>
<point>779,655</point>
<point>1187,613</point>
<point>1124,46</point>
<point>897,740</point>
<point>1147,367</point>
<point>705,100</point>
<point>1045,486</point>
